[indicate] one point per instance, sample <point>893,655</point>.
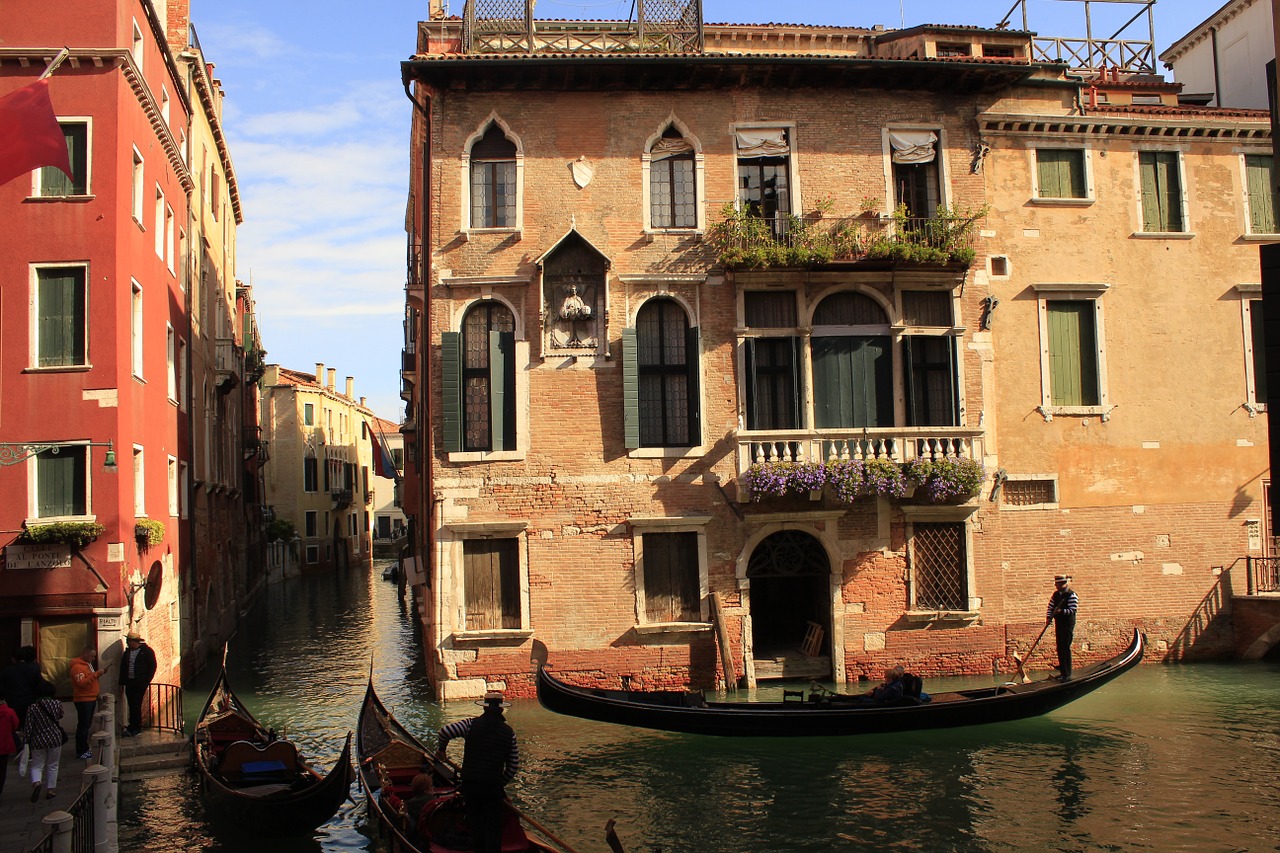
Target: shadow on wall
<point>1207,634</point>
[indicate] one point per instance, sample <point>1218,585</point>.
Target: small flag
<point>29,133</point>
<point>383,465</point>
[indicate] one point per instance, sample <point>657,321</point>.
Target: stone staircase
<point>153,753</point>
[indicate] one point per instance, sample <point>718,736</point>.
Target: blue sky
<point>318,126</point>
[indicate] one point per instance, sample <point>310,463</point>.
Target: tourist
<point>20,680</point>
<point>890,690</point>
<point>44,735</point>
<point>9,729</point>
<point>84,693</point>
<point>490,760</point>
<point>1062,612</point>
<point>137,668</point>
<point>422,790</point>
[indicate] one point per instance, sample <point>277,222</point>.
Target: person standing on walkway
<point>20,680</point>
<point>9,726</point>
<point>1062,613</point>
<point>490,760</point>
<point>44,735</point>
<point>137,668</point>
<point>84,692</point>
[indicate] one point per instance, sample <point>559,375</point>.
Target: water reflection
<point>1165,758</point>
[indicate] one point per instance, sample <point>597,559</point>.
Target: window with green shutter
<point>1060,172</point>
<point>1073,353</point>
<point>60,316</point>
<point>61,483</point>
<point>52,181</point>
<point>1258,180</point>
<point>478,381</point>
<point>1161,191</point>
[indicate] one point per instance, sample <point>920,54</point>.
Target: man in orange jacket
<point>84,692</point>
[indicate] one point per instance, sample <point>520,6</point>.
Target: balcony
<point>341,498</point>
<point>747,241</point>
<point>894,444</point>
<point>508,26</point>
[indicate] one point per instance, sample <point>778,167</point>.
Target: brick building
<point>693,327</point>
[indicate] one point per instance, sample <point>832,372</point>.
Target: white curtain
<point>763,143</point>
<point>664,148</point>
<point>913,146</point>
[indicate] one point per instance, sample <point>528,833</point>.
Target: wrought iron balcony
<point>341,497</point>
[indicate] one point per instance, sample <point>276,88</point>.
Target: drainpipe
<point>1217,79</point>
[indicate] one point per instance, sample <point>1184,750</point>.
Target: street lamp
<point>13,452</point>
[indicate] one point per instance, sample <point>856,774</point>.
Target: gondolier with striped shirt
<point>490,760</point>
<point>1062,613</point>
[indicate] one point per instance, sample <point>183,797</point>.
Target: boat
<point>389,756</point>
<point>257,779</point>
<point>823,712</point>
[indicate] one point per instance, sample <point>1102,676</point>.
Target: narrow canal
<point>1166,758</point>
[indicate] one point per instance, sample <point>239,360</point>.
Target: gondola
<point>256,779</point>
<point>823,712</point>
<point>389,757</point>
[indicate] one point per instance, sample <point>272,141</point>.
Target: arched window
<point>479,380</point>
<point>660,360</point>
<point>493,180</point>
<point>673,201</point>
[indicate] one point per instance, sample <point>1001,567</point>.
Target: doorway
<point>790,575</point>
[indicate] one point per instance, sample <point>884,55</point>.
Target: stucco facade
<point>1223,61</point>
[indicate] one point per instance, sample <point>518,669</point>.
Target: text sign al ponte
<point>37,556</point>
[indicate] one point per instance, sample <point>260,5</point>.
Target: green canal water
<point>1165,758</point>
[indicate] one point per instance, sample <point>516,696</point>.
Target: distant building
<point>1223,61</point>
<point>319,463</point>
<point>388,512</point>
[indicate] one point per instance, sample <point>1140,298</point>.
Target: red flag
<point>29,133</point>
<point>383,466</point>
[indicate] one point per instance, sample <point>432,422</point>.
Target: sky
<point>318,127</point>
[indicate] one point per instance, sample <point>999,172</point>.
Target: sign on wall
<point>37,556</point>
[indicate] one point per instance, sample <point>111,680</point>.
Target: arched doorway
<point>790,575</point>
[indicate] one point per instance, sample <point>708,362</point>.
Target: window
<point>1259,180</point>
<point>137,187</point>
<point>173,485</point>
<point>139,483</point>
<point>171,363</point>
<point>493,180</point>
<point>311,520</point>
<point>774,389</point>
<point>929,359</point>
<point>60,321</point>
<point>670,570</point>
<point>491,584</point>
<point>61,482</point>
<point>1060,173</point>
<point>764,174</point>
<point>660,362</point>
<point>939,575</point>
<point>479,380</point>
<point>168,236</point>
<point>164,104</point>
<point>309,414</point>
<point>180,376</point>
<point>136,47</point>
<point>135,329</point>
<point>1029,491</point>
<point>182,489</point>
<point>852,363</point>
<point>1255,351</point>
<point>310,474</point>
<point>946,50</point>
<point>1072,364</point>
<point>916,176</point>
<point>673,201</point>
<point>215,193</point>
<point>160,206</point>
<point>51,182</point>
<point>313,554</point>
<point>1161,188</point>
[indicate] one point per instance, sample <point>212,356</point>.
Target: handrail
<point>82,812</point>
<point>1263,574</point>
<point>162,708</point>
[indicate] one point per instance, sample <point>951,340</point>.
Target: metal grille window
<point>491,584</point>
<point>1029,492</point>
<point>939,567</point>
<point>671,577</point>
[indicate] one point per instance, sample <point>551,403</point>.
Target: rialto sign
<point>37,557</point>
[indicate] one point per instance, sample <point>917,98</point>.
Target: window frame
<point>465,225</point>
<point>1250,305</point>
<point>160,208</point>
<point>940,158</point>
<point>308,414</point>
<point>1185,232</point>
<point>77,192</point>
<point>699,182</point>
<point>139,184</point>
<point>171,469</point>
<point>795,205</point>
<point>454,576</point>
<point>1072,292</point>
<point>33,486</point>
<point>137,337</point>
<point>647,525</point>
<point>1249,231</point>
<point>962,515</point>
<point>453,391</point>
<point>633,372</point>
<point>139,481</point>
<point>1086,164</point>
<point>84,363</point>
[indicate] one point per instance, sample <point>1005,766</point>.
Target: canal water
<point>1166,758</point>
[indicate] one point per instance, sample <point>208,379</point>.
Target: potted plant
<point>148,532</point>
<point>783,479</point>
<point>869,206</point>
<point>939,480</point>
<point>77,534</point>
<point>884,478</point>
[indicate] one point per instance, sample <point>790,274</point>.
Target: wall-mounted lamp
<point>13,452</point>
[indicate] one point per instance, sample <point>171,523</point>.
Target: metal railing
<point>509,26</point>
<point>784,239</point>
<point>1263,574</point>
<point>82,832</point>
<point>162,708</point>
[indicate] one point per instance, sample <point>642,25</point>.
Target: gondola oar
<point>457,772</point>
<point>1026,679</point>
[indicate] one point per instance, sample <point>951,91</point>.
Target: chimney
<point>333,375</point>
<point>351,388</point>
<point>320,373</point>
<point>271,376</point>
<point>362,403</point>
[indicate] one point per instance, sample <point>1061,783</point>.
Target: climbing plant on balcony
<point>77,534</point>
<point>782,479</point>
<point>945,479</point>
<point>848,479</point>
<point>742,239</point>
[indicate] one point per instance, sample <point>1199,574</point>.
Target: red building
<point>92,282</point>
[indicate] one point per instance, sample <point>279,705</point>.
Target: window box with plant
<point>847,479</point>
<point>77,534</point>
<point>148,531</point>
<point>946,480</point>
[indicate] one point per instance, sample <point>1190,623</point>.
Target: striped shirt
<point>460,728</point>
<point>1064,600</point>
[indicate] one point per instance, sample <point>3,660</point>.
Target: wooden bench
<point>247,763</point>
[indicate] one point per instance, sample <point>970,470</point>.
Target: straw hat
<point>1062,578</point>
<point>133,635</point>
<point>493,699</point>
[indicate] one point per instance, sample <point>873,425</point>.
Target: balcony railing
<point>508,26</point>
<point>894,444</point>
<point>784,240</point>
<point>341,497</point>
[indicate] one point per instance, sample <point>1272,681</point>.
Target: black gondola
<point>822,712</point>
<point>389,757</point>
<point>256,779</point>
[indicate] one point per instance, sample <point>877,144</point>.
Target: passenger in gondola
<point>491,760</point>
<point>889,691</point>
<point>421,791</point>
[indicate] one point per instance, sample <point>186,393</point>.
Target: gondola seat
<point>246,763</point>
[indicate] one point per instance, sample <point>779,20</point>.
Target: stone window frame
<point>699,180</point>
<point>465,227</point>
<point>1090,188</point>
<point>1023,478</point>
<point>33,487</point>
<point>963,514</point>
<point>1247,233</point>
<point>1047,292</point>
<point>640,525</point>
<point>1250,297</point>
<point>452,613</point>
<point>794,189</point>
<point>1183,189</point>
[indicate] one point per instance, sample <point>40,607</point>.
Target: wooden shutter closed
<point>630,390</point>
<point>1073,354</point>
<point>501,390</point>
<point>451,390</point>
<point>61,318</point>
<point>693,362</point>
<point>1262,216</point>
<point>1161,191</point>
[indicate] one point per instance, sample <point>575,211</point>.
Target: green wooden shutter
<point>1073,354</point>
<point>1161,191</point>
<point>1262,216</point>
<point>693,362</point>
<point>753,403</point>
<point>630,390</point>
<point>1151,219</point>
<point>60,322</point>
<point>832,382</point>
<point>797,384</point>
<point>501,390</point>
<point>1049,165</point>
<point>451,390</point>
<point>60,483</point>
<point>1171,189</point>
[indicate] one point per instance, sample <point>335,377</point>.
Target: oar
<point>1026,679</point>
<point>524,817</point>
<point>611,837</point>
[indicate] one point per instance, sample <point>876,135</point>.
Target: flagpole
<point>57,60</point>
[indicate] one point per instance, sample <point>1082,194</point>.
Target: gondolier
<point>490,760</point>
<point>1062,613</point>
<point>137,668</point>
